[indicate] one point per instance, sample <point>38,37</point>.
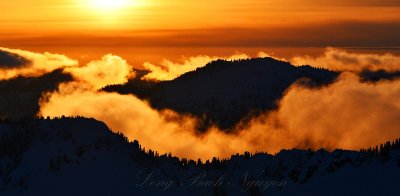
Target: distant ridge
<point>227,92</point>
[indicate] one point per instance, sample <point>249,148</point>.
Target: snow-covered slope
<point>77,156</point>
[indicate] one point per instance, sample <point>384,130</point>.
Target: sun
<point>111,12</point>
<point>111,4</point>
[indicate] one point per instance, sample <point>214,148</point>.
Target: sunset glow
<point>110,4</point>
<point>199,97</point>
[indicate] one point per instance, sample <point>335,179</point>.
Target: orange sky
<point>59,25</point>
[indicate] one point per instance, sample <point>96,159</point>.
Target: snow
<point>77,156</point>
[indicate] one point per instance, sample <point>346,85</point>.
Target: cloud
<point>169,70</point>
<point>39,63</point>
<point>329,29</point>
<point>332,58</point>
<point>341,60</point>
<point>109,70</point>
<point>360,3</point>
<point>347,114</point>
<point>132,116</point>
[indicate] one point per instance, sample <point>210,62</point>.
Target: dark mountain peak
<point>224,92</point>
<point>378,75</point>
<point>245,65</point>
<point>10,60</point>
<point>20,95</point>
<point>140,73</point>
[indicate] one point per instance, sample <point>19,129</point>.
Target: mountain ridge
<point>84,154</point>
<point>226,93</point>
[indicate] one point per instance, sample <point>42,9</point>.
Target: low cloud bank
<point>348,114</point>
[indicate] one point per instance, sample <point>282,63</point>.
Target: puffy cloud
<point>341,60</point>
<point>39,63</point>
<point>169,70</point>
<point>331,58</point>
<point>347,114</point>
<point>136,119</point>
<point>109,70</point>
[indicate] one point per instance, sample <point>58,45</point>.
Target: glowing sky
<point>56,24</point>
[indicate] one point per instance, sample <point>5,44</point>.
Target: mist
<point>337,116</point>
<point>332,58</point>
<point>347,114</point>
<point>168,70</point>
<point>341,60</point>
<point>34,64</point>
